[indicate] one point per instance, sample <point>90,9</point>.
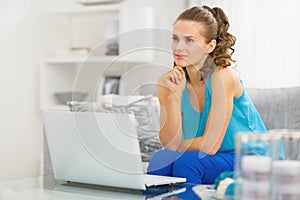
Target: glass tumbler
<point>253,160</point>
<point>286,169</point>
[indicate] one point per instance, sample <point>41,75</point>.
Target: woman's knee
<point>198,168</point>
<point>161,160</point>
<point>164,156</point>
<point>186,166</point>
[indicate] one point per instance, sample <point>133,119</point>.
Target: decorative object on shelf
<point>97,2</point>
<point>64,97</point>
<point>111,85</point>
<point>112,49</point>
<point>74,51</point>
<point>110,33</point>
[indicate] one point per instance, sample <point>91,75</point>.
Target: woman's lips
<point>179,56</point>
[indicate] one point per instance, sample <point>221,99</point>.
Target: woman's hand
<point>173,80</point>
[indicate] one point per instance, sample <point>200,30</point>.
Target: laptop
<point>98,148</point>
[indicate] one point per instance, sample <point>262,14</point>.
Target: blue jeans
<point>197,167</point>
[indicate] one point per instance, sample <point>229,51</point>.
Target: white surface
<point>21,127</point>
<point>45,188</point>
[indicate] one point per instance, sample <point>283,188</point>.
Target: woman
<point>203,102</point>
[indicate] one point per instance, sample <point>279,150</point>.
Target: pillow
<point>145,110</point>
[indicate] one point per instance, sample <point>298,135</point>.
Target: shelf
<point>56,107</point>
<point>79,9</point>
<point>90,59</point>
<point>69,25</point>
<point>66,60</point>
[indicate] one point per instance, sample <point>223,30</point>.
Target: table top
<point>46,188</point>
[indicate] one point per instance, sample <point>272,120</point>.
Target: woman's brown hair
<point>217,24</point>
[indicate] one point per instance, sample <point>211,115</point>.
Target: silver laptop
<point>98,148</point>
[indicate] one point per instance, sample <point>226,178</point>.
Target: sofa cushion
<point>279,108</point>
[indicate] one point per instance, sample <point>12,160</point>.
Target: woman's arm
<point>223,85</point>
<point>170,88</point>
<point>170,133</point>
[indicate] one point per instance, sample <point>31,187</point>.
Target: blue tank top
<point>245,118</point>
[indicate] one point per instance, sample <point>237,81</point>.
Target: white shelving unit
<point>84,26</point>
<point>80,60</point>
<point>80,9</point>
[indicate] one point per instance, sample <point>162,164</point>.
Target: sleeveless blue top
<point>244,118</point>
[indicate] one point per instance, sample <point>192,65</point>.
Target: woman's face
<point>188,45</point>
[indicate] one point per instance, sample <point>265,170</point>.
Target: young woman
<point>203,102</point>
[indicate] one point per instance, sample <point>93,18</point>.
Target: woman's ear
<point>211,46</point>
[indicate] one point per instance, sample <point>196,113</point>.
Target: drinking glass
<point>286,169</point>
<point>253,160</point>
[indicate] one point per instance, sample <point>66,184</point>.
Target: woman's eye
<point>175,39</point>
<point>189,40</point>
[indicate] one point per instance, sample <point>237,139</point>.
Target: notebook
<point>98,148</point>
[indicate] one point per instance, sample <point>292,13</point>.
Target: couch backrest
<point>279,108</point>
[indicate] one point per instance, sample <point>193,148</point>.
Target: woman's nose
<point>180,45</point>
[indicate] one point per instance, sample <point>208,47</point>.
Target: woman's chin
<point>182,63</point>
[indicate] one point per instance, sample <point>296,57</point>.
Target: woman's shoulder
<point>229,79</point>
<point>226,75</point>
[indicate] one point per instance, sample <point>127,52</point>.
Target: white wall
<point>165,12</point>
<point>20,129</point>
<point>268,43</point>
<point>21,49</point>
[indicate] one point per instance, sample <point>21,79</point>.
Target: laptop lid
<point>94,148</point>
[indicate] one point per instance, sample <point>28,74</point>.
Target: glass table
<point>46,188</point>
